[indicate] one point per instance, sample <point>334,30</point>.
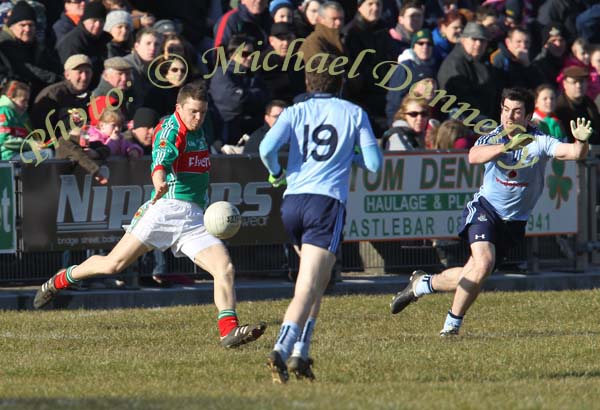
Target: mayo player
<point>515,156</point>
<point>173,218</point>
<point>325,135</point>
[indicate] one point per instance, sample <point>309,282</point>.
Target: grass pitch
<point>517,351</point>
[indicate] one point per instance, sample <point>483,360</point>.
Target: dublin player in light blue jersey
<point>515,156</point>
<point>326,135</point>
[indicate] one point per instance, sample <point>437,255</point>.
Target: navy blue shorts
<point>482,223</point>
<point>314,219</point>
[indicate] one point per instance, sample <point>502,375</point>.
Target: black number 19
<point>330,140</point>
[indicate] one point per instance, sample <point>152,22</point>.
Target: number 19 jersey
<point>322,133</point>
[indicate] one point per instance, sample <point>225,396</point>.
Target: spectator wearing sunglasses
<point>409,127</point>
<point>172,75</point>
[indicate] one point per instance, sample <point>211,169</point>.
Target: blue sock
<point>303,344</point>
<point>424,286</point>
<point>287,337</point>
<point>453,321</point>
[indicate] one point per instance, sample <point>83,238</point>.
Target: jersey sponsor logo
<point>509,183</point>
<point>196,162</point>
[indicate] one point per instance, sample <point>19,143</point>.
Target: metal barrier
<point>559,252</point>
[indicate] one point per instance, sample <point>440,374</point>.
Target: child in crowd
<point>543,116</point>
<point>108,132</point>
<point>452,134</point>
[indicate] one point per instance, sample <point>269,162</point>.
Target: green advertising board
<point>8,233</point>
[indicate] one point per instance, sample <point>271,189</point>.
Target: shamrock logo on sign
<point>559,185</point>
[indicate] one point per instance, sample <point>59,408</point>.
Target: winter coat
<point>14,128</point>
<point>60,97</point>
<point>241,21</point>
<point>121,147</point>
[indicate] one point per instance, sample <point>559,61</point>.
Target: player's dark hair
<point>323,81</point>
<point>520,94</point>
<point>275,103</point>
<point>195,90</point>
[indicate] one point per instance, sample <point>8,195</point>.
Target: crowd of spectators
<point>105,72</point>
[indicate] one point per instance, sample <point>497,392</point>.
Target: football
<point>222,219</point>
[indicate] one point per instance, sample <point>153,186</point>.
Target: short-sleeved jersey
<point>513,182</point>
<point>322,133</point>
<point>184,156</point>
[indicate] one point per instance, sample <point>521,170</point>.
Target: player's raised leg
<point>215,260</point>
<point>421,284</point>
<point>123,254</point>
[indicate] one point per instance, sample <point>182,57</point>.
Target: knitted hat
<point>551,31</point>
<point>145,117</point>
<point>94,11</point>
<point>420,35</point>
<point>277,4</point>
<point>117,17</point>
<point>21,12</point>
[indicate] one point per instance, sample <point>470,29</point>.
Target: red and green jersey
<point>184,156</point>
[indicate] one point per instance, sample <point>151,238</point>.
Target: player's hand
<point>159,191</point>
<point>580,130</point>
<point>159,180</point>
<point>278,180</point>
<point>517,142</point>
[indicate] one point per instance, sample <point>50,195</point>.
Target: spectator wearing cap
<point>250,18</point>
<point>87,38</point>
<point>464,74</point>
<point>573,102</point>
<point>305,17</point>
<point>410,20</point>
<point>282,11</point>
<point>145,49</point>
<point>367,31</point>
<point>239,98</point>
<point>22,56</point>
<point>511,61</point>
<point>116,75</point>
<point>549,61</point>
<point>120,26</point>
<point>166,27</point>
<point>282,84</point>
<point>327,37</point>
<point>69,18</point>
<point>57,102</point>
<point>563,12</point>
<point>420,51</point>
<point>488,17</point>
<point>513,14</point>
<point>144,121</point>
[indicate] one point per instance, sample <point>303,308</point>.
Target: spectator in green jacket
<point>15,125</point>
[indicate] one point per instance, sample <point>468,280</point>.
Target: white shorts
<point>172,223</point>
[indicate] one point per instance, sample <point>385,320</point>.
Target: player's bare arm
<point>159,180</point>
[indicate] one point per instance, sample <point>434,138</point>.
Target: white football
<point>222,219</point>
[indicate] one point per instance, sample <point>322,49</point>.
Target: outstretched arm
<point>581,130</point>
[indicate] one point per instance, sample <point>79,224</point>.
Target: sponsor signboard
<point>419,196</point>
<point>8,232</point>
